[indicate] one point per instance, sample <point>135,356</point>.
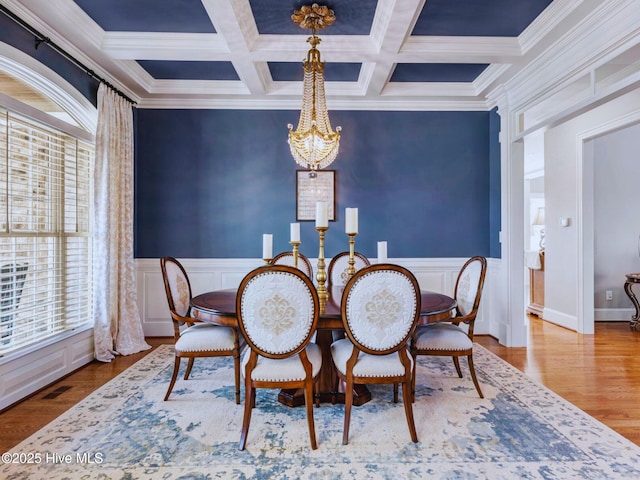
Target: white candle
<point>351,220</point>
<point>295,232</point>
<point>267,246</point>
<point>382,252</point>
<point>322,214</point>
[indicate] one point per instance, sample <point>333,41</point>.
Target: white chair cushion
<point>442,336</point>
<point>284,369</point>
<point>204,337</point>
<point>367,365</point>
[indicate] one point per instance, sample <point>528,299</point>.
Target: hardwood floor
<point>599,373</point>
<point>27,417</point>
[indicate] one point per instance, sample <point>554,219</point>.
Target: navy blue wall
<point>209,183</point>
<point>495,223</point>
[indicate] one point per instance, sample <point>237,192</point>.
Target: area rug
<point>520,430</point>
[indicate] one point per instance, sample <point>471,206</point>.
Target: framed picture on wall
<point>311,189</point>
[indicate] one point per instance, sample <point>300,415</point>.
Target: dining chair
<point>380,307</point>
<point>286,258</point>
<point>194,338</point>
<point>12,278</point>
<point>454,337</point>
<point>337,275</point>
<point>278,310</point>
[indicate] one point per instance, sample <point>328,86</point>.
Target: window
<point>45,231</point>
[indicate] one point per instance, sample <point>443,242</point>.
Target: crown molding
<point>490,76</point>
<point>612,26</point>
<point>433,89</point>
<point>391,104</point>
<point>549,19</point>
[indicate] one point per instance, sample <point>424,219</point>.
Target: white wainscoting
<point>436,274</point>
<point>27,372</point>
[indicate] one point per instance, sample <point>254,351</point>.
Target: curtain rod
<point>42,39</point>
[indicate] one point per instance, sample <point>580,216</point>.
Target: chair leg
<point>395,393</point>
<point>413,377</point>
<point>408,410</point>
<point>308,400</point>
<point>456,362</point>
<point>473,375</point>
<point>249,396</point>
<point>348,402</point>
<point>174,376</point>
<point>189,367</point>
<point>236,369</point>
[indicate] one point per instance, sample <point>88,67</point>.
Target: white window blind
<point>45,232</point>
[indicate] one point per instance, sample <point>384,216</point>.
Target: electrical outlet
<point>609,294</point>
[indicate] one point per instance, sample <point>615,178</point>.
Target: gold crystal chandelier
<point>314,144</point>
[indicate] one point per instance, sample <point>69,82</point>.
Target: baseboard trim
<point>613,314</point>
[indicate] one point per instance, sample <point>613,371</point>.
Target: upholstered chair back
<point>286,258</point>
<point>339,266</point>
<point>469,286</point>
<point>380,307</point>
<point>277,309</point>
<point>177,286</point>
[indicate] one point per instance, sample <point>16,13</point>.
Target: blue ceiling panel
<point>493,18</point>
<point>437,72</point>
<point>189,70</point>
<point>333,72</point>
<point>352,18</point>
<point>184,16</point>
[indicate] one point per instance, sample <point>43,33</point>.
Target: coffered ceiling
<point>380,54</point>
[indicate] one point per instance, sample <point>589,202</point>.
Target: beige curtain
<point>117,325</point>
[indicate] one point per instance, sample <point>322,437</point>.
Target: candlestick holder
<point>267,261</point>
<point>321,275</point>
<point>352,258</point>
<point>296,246</point>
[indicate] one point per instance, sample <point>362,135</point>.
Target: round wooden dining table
<point>219,307</point>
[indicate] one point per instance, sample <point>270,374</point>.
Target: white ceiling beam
<point>165,46</point>
<point>233,21</point>
<point>393,23</point>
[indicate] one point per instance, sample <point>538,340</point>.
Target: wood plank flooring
<point>599,373</point>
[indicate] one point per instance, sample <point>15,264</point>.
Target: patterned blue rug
<point>520,430</point>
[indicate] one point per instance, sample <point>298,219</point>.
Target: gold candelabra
<point>321,275</point>
<point>296,247</point>
<point>352,260</point>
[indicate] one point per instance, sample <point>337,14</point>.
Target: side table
<point>631,279</point>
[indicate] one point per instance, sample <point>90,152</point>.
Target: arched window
<point>46,172</point>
